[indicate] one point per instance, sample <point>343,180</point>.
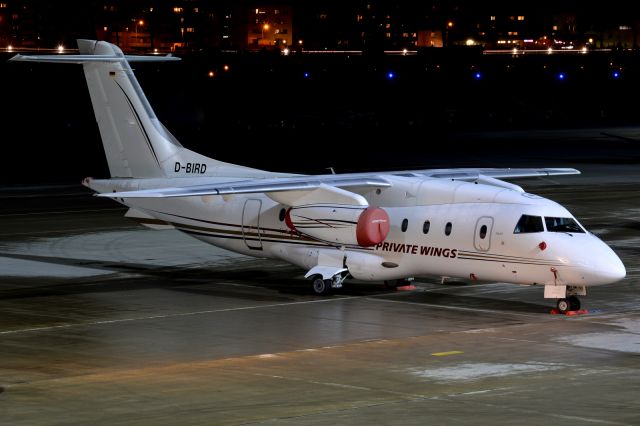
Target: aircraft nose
<point>607,266</point>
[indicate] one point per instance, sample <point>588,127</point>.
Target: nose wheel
<point>571,303</point>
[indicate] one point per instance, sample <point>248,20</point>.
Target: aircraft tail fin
<point>135,142</point>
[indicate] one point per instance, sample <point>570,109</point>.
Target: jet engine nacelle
<point>370,267</point>
<point>341,224</point>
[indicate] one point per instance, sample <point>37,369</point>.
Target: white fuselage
<point>470,233</point>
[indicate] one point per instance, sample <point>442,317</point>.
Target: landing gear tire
<point>574,303</point>
<point>320,286</point>
<point>563,305</point>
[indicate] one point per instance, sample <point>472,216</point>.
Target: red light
<point>542,245</point>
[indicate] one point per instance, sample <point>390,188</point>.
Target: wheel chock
<point>569,313</point>
<point>406,287</point>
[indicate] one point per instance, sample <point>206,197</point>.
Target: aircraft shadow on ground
<point>249,280</point>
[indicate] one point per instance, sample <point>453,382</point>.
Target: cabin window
<point>282,214</point>
<point>447,228</point>
<point>528,224</point>
<point>483,231</point>
<point>405,224</point>
<point>562,224</point>
<point>425,227</point>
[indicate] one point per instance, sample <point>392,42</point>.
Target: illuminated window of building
<point>387,26</point>
<point>4,6</point>
<point>177,10</point>
<point>492,18</point>
<point>555,28</point>
<point>276,12</point>
<point>104,29</point>
<point>405,35</point>
<point>512,18</point>
<point>322,16</point>
<point>624,27</point>
<point>196,10</point>
<point>358,18</point>
<point>388,35</point>
<point>520,18</point>
<point>191,30</point>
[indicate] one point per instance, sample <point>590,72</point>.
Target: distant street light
<point>446,33</point>
<point>138,22</point>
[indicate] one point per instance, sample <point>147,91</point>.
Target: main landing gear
<point>323,287</point>
<point>571,303</point>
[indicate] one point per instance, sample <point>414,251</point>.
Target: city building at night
<point>323,25</point>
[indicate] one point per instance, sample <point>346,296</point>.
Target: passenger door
<point>251,224</point>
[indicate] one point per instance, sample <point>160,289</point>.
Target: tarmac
<point>105,322</point>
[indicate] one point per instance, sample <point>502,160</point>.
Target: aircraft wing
<point>255,185</point>
<point>310,182</point>
<point>497,173</point>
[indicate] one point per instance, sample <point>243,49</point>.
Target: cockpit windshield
<point>562,224</point>
<point>528,224</point>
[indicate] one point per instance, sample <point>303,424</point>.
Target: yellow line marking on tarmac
<point>447,353</point>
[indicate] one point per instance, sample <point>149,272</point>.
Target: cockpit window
<point>528,224</point>
<point>562,224</point>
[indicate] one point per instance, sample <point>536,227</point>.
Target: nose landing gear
<point>566,297</point>
<point>571,303</point>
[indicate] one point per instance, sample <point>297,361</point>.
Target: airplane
<point>465,223</point>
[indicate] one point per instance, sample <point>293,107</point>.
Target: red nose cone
<point>373,227</point>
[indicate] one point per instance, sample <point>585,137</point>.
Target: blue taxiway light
<point>390,75</point>
<point>478,76</point>
<point>561,76</point>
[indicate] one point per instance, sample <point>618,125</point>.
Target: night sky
<point>304,114</point>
